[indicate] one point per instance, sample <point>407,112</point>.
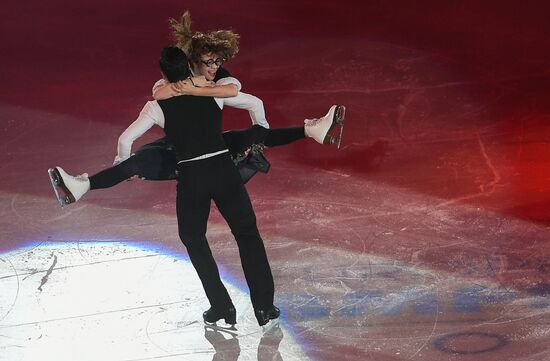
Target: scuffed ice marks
<point>48,272</point>
<point>377,303</point>
<point>116,301</point>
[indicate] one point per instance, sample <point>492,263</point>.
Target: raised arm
<point>150,115</point>
<point>197,86</point>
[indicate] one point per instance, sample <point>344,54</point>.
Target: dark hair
<point>173,63</point>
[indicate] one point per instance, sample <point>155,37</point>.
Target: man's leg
<point>234,204</point>
<point>193,208</point>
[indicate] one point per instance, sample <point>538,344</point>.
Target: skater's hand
<point>191,86</point>
<point>183,87</point>
<point>133,178</point>
<point>201,82</point>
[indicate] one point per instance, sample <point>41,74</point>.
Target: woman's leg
<point>283,136</point>
<point>238,141</point>
<point>153,161</point>
<point>114,175</point>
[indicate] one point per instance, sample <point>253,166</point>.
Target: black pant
<point>217,179</point>
<point>157,160</point>
<point>239,140</point>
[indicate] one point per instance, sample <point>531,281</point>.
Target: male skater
<point>205,173</point>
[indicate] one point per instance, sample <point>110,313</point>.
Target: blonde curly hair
<point>223,43</point>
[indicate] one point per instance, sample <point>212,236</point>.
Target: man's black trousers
<point>218,179</point>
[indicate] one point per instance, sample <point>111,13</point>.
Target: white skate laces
<point>320,128</point>
<point>312,122</point>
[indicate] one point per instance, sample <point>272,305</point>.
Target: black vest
<point>193,125</point>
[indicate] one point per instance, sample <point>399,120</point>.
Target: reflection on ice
<point>115,301</point>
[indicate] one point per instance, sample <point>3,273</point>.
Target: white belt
<point>204,156</point>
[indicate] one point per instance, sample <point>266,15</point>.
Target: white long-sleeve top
<point>152,114</point>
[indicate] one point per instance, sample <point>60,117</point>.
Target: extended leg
<point>238,141</point>
<point>154,162</point>
<point>282,136</point>
<point>113,175</point>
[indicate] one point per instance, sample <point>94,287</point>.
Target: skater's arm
<point>197,86</point>
<point>159,84</point>
<point>253,104</point>
<point>150,115</point>
<point>223,77</point>
<point>183,88</point>
<point>217,91</point>
<point>165,90</point>
<point>224,88</point>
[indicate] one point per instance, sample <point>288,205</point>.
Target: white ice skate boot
<point>320,128</point>
<point>73,187</point>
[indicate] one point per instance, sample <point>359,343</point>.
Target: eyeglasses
<point>210,62</point>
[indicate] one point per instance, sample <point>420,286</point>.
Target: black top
<point>193,125</point>
<point>222,73</point>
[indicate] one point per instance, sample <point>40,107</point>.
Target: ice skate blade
<point>336,140</point>
<point>68,197</point>
<point>270,325</point>
<point>230,329</point>
<point>337,120</point>
<point>55,179</point>
<point>340,136</point>
<point>340,114</point>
